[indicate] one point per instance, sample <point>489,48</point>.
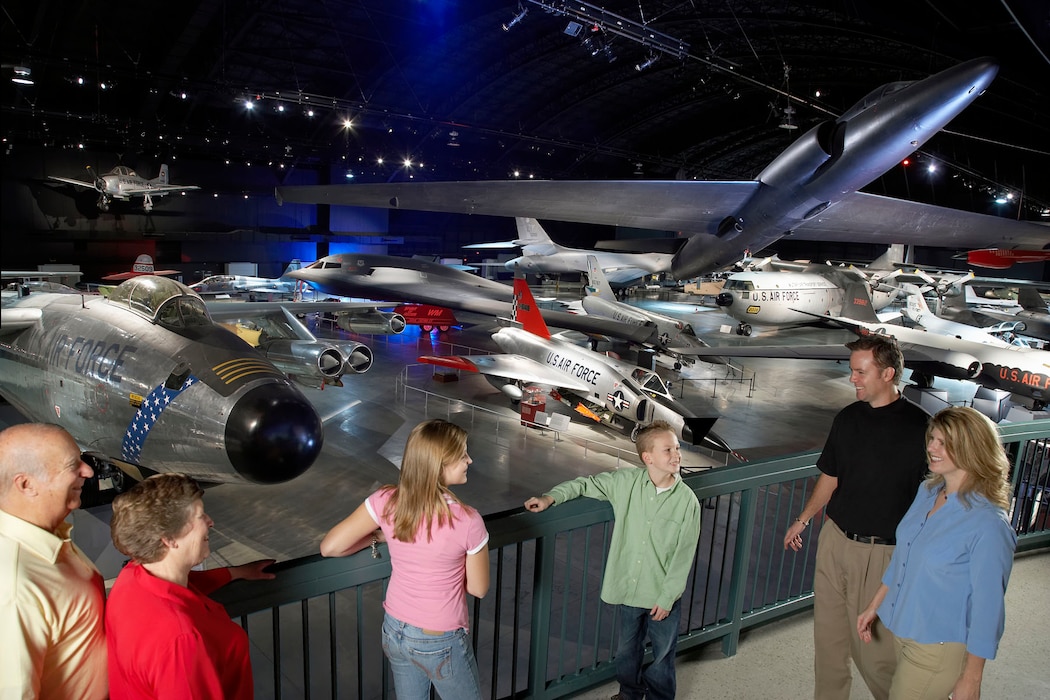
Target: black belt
<point>869,539</point>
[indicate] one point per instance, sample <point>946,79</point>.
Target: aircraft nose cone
<point>273,434</point>
<point>724,299</point>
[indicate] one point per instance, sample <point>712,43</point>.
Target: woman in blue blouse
<point>943,593</point>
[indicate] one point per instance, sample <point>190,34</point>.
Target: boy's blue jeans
<point>657,680</point>
<point>418,659</point>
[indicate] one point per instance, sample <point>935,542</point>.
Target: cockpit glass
<point>649,381</point>
<point>161,300</point>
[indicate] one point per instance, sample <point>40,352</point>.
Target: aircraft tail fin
<point>887,261</point>
<point>597,284</point>
<point>526,312</point>
<point>1030,300</point>
<point>292,266</point>
<point>858,306</point>
<point>530,232</point>
<point>161,179</point>
<point>915,300</point>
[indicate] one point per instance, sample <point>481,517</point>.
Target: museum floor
<point>765,408</point>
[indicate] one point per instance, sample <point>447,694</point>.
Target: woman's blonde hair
<point>421,495</point>
<point>972,443</point>
<point>151,511</point>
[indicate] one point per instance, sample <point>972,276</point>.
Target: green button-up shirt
<point>654,537</point>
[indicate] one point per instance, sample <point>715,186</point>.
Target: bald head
<point>41,473</point>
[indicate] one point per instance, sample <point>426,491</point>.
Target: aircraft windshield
<point>161,300</point>
<point>650,381</point>
<point>742,285</point>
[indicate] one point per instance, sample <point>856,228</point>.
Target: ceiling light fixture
<point>522,11</point>
<point>22,75</point>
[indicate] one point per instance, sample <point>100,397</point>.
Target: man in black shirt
<point>871,467</point>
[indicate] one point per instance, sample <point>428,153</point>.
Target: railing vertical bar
<point>305,607</point>
<point>333,663</point>
<point>275,621</point>
<point>744,534</point>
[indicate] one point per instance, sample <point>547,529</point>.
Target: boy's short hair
<point>644,439</point>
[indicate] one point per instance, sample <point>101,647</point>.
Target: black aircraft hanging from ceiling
<point>810,191</point>
<point>145,380</point>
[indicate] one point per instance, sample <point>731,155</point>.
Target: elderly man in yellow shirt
<point>51,595</point>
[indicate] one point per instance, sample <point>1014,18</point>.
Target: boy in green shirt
<point>654,539</point>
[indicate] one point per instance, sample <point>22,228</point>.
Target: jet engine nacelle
<point>357,357</point>
<point>305,359</point>
<point>950,365</point>
<point>371,322</point>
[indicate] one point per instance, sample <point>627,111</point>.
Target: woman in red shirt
<point>166,638</point>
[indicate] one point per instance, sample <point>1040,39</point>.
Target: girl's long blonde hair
<point>972,443</point>
<point>421,495</point>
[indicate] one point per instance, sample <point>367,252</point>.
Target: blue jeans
<point>418,659</point>
<point>657,680</point>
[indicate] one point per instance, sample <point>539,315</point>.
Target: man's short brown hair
<point>884,350</point>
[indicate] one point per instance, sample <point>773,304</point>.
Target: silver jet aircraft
<point>391,278</point>
<point>123,183</point>
<point>610,391</point>
<point>145,380</point>
<point>673,337</point>
<point>809,191</point>
<point>541,255</point>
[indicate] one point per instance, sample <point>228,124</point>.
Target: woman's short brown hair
<point>152,510</point>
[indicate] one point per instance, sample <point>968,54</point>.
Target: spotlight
<point>522,11</point>
<point>22,75</point>
<point>653,58</point>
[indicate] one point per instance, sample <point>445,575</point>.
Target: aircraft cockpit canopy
<point>163,301</point>
<point>650,381</point>
<point>124,171</point>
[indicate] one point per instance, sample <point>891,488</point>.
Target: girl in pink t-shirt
<point>438,551</point>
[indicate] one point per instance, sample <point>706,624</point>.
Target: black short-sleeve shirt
<point>878,456</point>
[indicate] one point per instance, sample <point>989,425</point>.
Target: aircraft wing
<point>223,310</point>
<point>510,367</point>
<point>71,181</point>
<point>158,189</point>
<point>869,218</point>
<point>673,205</point>
<point>689,206</point>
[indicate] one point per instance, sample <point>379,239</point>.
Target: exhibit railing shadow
<point>542,631</point>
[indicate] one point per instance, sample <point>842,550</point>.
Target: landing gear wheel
<point>745,329</point>
<point>443,329</point>
<point>634,433</point>
<point>427,327</point>
<point>678,365</point>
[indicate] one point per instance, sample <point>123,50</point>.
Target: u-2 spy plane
<point>146,381</point>
<point>541,255</point>
<point>122,183</point>
<point>809,191</point>
<point>609,391</point>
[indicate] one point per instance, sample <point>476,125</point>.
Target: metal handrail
<point>542,631</point>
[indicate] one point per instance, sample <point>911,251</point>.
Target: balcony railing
<point>542,631</point>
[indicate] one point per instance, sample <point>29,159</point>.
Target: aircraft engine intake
<point>724,299</point>
<point>273,434</point>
